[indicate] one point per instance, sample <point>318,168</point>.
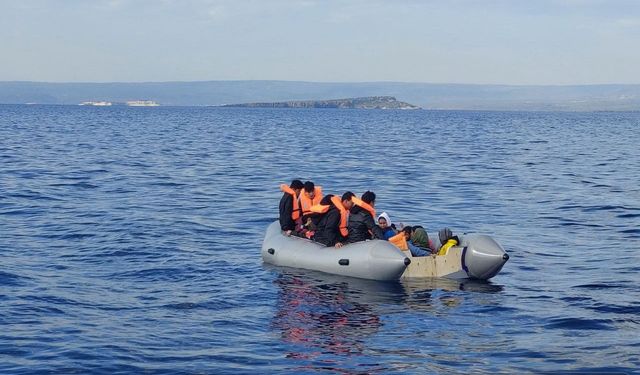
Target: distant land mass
<point>425,95</point>
<point>369,102</point>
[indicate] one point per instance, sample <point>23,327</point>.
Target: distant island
<point>130,103</point>
<point>425,95</point>
<point>369,102</point>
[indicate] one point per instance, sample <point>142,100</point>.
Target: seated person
<point>447,240</point>
<point>403,242</point>
<point>384,222</point>
<point>289,209</point>
<point>361,219</point>
<point>332,224</point>
<point>420,238</point>
<point>311,195</point>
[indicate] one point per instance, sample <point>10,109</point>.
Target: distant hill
<point>369,102</point>
<point>425,95</point>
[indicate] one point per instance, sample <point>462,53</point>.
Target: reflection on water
<point>476,286</point>
<point>320,316</point>
<point>419,293</point>
<point>157,217</point>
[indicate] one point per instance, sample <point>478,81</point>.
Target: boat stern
<point>482,257</point>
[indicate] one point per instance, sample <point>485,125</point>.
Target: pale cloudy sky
<point>449,41</point>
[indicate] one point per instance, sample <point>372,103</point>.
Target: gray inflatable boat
<point>374,260</point>
<point>477,257</point>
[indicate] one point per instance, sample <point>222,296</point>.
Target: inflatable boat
<point>476,257</point>
<point>374,260</point>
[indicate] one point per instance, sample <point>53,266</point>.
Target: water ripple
<point>130,239</point>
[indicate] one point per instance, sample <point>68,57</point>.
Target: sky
<point>516,42</point>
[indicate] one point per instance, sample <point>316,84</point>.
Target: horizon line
<point>326,82</point>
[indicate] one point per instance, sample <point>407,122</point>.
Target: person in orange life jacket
<point>332,224</point>
<point>362,225</point>
<point>416,251</point>
<point>384,222</point>
<point>290,206</point>
<point>311,195</point>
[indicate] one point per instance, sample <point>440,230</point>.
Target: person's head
<point>444,235</point>
<point>369,197</point>
<point>384,221</point>
<point>407,232</point>
<point>419,237</point>
<point>310,189</point>
<point>297,186</point>
<point>346,200</point>
<point>326,200</point>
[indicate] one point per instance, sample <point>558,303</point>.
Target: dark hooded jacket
<point>328,225</point>
<point>360,223</point>
<point>286,209</point>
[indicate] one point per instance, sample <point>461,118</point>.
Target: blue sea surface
<point>130,241</point>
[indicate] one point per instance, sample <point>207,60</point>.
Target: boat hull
<point>374,260</point>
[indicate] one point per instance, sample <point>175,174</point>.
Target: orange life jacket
<point>344,213</point>
<point>399,241</point>
<point>319,208</point>
<point>360,203</point>
<point>295,214</point>
<point>306,203</point>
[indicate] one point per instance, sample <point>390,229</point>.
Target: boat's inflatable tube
<point>477,257</point>
<point>375,259</point>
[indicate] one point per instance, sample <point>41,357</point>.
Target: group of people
<point>337,220</point>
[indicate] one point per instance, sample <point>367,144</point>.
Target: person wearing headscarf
<point>384,222</point>
<point>420,238</point>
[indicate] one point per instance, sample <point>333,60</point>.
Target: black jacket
<point>360,223</point>
<point>328,228</point>
<point>314,216</point>
<point>286,209</point>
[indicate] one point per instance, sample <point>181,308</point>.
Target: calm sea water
<point>130,241</point>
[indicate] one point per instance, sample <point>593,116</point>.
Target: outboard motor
<point>482,257</point>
